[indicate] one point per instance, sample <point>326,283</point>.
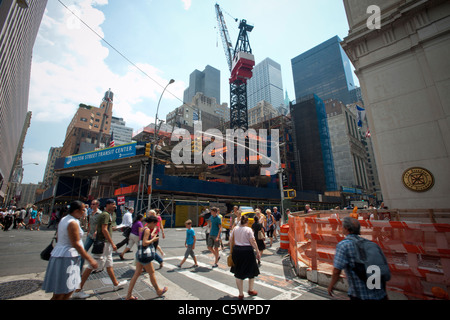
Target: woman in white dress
<point>63,271</point>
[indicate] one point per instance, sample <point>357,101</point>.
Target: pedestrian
<point>277,215</point>
<point>189,244</point>
<point>308,208</point>
<point>32,219</point>
<point>63,270</point>
<point>244,259</point>
<point>136,230</point>
<point>207,218</point>
<point>16,212</point>
<point>85,219</point>
<point>159,228</point>
<point>262,218</point>
<point>206,215</point>
<point>214,235</point>
<point>155,233</point>
<point>147,240</point>
<point>232,217</point>
<point>260,236</point>
<point>105,224</point>
<point>270,225</point>
<point>125,227</point>
<point>7,220</point>
<point>2,211</point>
<point>52,219</point>
<point>345,258</point>
<point>92,227</point>
<point>39,218</point>
<point>334,215</point>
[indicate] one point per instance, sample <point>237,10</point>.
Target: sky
<point>152,42</point>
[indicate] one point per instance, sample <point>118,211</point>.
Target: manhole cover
<point>14,289</point>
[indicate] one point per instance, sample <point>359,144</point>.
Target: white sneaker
<point>120,284</point>
<point>80,295</point>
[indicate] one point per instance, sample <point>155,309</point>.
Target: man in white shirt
<point>125,226</point>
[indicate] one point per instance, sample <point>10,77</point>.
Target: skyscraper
<point>122,133</point>
<point>90,128</point>
<point>315,164</point>
<point>19,25</point>
<point>324,70</point>
<point>206,82</point>
<point>266,84</point>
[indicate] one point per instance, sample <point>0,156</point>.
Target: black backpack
<point>368,253</point>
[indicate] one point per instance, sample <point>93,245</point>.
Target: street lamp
<point>150,183</point>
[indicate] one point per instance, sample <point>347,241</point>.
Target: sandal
<point>132,298</point>
<point>163,291</point>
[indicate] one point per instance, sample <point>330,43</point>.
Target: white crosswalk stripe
<point>228,286</point>
<point>206,281</point>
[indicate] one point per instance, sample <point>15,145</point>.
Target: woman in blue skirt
<point>63,271</point>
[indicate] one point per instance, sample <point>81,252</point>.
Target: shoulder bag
<point>145,254</point>
<point>98,246</point>
<point>261,235</point>
<point>47,252</point>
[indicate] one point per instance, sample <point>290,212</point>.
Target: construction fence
<point>416,244</point>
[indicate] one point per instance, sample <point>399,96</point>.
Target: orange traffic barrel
<point>284,237</point>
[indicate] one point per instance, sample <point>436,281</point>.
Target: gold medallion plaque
<point>418,179</point>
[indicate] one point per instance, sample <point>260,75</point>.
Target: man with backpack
<point>364,263</point>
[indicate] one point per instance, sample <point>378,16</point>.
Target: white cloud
<point>69,68</point>
<point>187,4</point>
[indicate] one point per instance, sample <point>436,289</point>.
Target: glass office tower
<point>206,82</point>
<point>324,70</point>
<point>266,84</point>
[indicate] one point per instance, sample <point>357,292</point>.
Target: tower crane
<point>240,62</point>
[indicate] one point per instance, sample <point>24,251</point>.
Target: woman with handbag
<point>260,236</point>
<point>144,257</point>
<point>244,261</point>
<point>63,271</point>
<point>270,225</point>
<point>135,231</point>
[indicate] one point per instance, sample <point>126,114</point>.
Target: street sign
<point>120,200</point>
<point>114,153</point>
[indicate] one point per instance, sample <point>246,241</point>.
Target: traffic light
<point>148,149</point>
<point>289,193</point>
<point>197,145</point>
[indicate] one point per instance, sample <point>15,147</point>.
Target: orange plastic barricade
<point>284,237</point>
<point>418,253</point>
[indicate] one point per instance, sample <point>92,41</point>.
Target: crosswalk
<point>207,283</point>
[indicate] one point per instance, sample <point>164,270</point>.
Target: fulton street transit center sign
<point>114,153</point>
